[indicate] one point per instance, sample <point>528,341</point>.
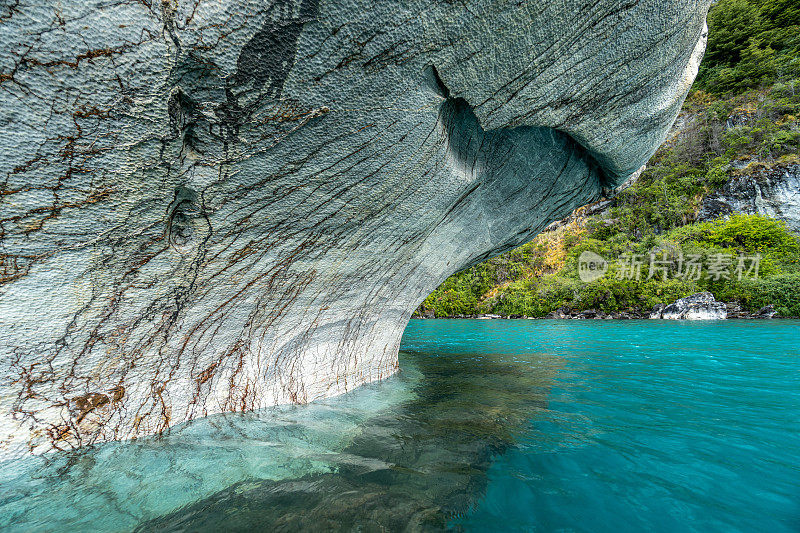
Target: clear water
<point>491,426</point>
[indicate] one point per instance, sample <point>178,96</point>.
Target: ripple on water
<point>509,425</point>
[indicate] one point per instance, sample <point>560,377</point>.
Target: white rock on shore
<point>700,306</point>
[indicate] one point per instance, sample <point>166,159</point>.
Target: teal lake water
<point>492,425</point>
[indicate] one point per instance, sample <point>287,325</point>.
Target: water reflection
<point>409,451</point>
<point>604,426</point>
<point>415,467</point>
<point>115,486</point>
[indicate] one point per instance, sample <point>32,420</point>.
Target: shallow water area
<point>515,425</point>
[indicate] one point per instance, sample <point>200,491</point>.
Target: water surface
<point>492,425</point>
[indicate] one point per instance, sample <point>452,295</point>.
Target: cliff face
<point>773,192</point>
<point>220,206</point>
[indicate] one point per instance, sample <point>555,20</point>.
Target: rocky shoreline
<point>700,306</point>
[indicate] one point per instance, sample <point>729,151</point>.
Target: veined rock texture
<point>216,206</point>
<point>773,192</point>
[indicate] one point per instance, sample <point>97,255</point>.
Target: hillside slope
<point>716,209</point>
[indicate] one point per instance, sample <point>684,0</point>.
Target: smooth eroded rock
<point>220,206</point>
<point>700,306</point>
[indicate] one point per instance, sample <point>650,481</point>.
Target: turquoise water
<point>491,426</point>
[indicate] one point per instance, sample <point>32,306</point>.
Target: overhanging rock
<point>219,206</point>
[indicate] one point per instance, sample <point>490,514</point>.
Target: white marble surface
<point>220,206</point>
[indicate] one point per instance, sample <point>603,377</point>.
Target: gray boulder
<point>657,311</point>
<point>221,206</point>
<point>700,306</point>
<point>768,311</point>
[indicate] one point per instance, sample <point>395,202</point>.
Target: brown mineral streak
<point>274,252</point>
<point>83,405</point>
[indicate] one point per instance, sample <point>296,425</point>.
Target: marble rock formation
<point>773,192</point>
<point>700,306</point>
<point>216,206</point>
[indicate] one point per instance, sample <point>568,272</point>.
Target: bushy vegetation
<point>752,43</point>
<point>733,243</point>
<point>740,118</point>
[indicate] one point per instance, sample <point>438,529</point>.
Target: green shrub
<point>782,291</point>
<point>753,234</point>
<point>533,297</point>
<point>717,175</point>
